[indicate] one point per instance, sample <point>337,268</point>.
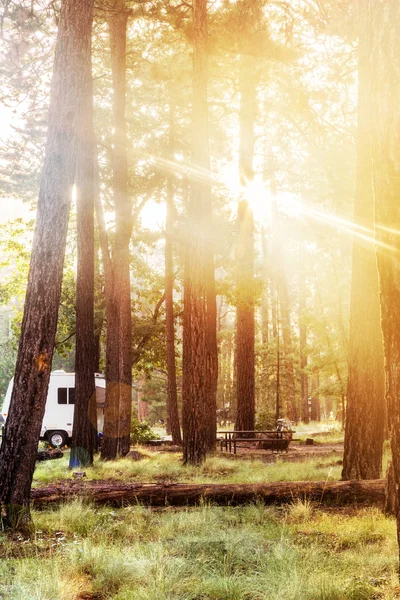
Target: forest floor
<point>296,452</point>
<point>158,466</point>
<point>301,551</point>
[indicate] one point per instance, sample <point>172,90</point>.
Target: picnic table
<point>275,440</point>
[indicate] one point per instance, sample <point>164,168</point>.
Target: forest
<point>198,207</point>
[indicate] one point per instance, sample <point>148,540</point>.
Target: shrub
<point>266,420</point>
<point>141,432</point>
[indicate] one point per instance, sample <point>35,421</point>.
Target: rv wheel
<point>57,439</point>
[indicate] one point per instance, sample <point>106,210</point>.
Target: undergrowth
<point>167,467</point>
<point>209,553</point>
<point>297,552</point>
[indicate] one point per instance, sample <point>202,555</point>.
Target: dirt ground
<point>296,452</point>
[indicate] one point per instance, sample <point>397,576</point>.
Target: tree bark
<point>264,297</point>
<point>315,412</point>
<point>172,394</point>
<point>315,381</point>
<point>211,298</point>
<point>291,407</point>
<point>385,119</point>
<point>99,315</point>
<point>84,433</point>
<point>183,494</point>
<point>32,374</point>
<point>195,388</point>
<point>305,413</point>
<point>365,411</point>
<point>212,346</point>
<point>118,408</point>
<point>284,305</point>
<point>390,507</point>
<point>245,326</point>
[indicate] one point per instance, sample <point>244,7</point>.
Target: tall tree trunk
<point>305,415</point>
<point>84,433</point>
<point>284,304</point>
<point>172,395</point>
<point>291,407</point>
<point>226,374</point>
<point>32,374</point>
<point>276,336</point>
<point>363,445</point>
<point>195,348</point>
<point>274,311</point>
<point>315,412</point>
<point>385,119</point>
<point>317,409</point>
<point>211,304</point>
<point>118,409</point>
<point>264,297</point>
<point>212,349</point>
<point>98,282</point>
<point>245,328</point>
<point>278,414</point>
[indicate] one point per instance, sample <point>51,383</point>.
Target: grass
<point>168,468</point>
<point>208,553</point>
<point>328,432</point>
<point>297,552</point>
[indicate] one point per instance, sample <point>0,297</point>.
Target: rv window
<point>62,396</point>
<point>66,395</point>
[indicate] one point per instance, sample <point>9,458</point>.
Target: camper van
<point>59,414</point>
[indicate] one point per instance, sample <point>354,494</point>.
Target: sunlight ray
<point>354,229</point>
<point>350,228</point>
<point>388,229</point>
<point>340,221</point>
<point>182,167</point>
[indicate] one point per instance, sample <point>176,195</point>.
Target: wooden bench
<point>277,441</point>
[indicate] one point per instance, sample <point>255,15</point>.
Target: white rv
<point>59,414</point>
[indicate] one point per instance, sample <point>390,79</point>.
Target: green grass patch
<point>206,553</point>
<point>296,552</point>
<point>159,467</point>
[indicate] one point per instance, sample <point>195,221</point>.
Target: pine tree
<point>172,393</point>
<point>118,408</point>
<point>384,53</point>
<point>32,374</point>
<point>245,324</point>
<point>195,350</point>
<point>84,433</point>
<point>363,446</point>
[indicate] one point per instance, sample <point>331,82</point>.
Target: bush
<point>266,420</point>
<point>141,432</point>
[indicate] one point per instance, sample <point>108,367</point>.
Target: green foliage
<point>141,432</point>
<point>7,365</point>
<point>154,393</point>
<point>266,420</point>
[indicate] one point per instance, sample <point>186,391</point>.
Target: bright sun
<point>153,215</point>
<point>259,199</point>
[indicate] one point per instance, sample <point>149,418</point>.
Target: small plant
<point>300,511</point>
<point>141,432</point>
<point>359,589</point>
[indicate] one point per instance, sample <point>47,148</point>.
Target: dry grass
<point>207,553</point>
<point>299,552</point>
<point>168,468</point>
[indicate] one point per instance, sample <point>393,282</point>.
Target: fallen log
<point>184,494</point>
